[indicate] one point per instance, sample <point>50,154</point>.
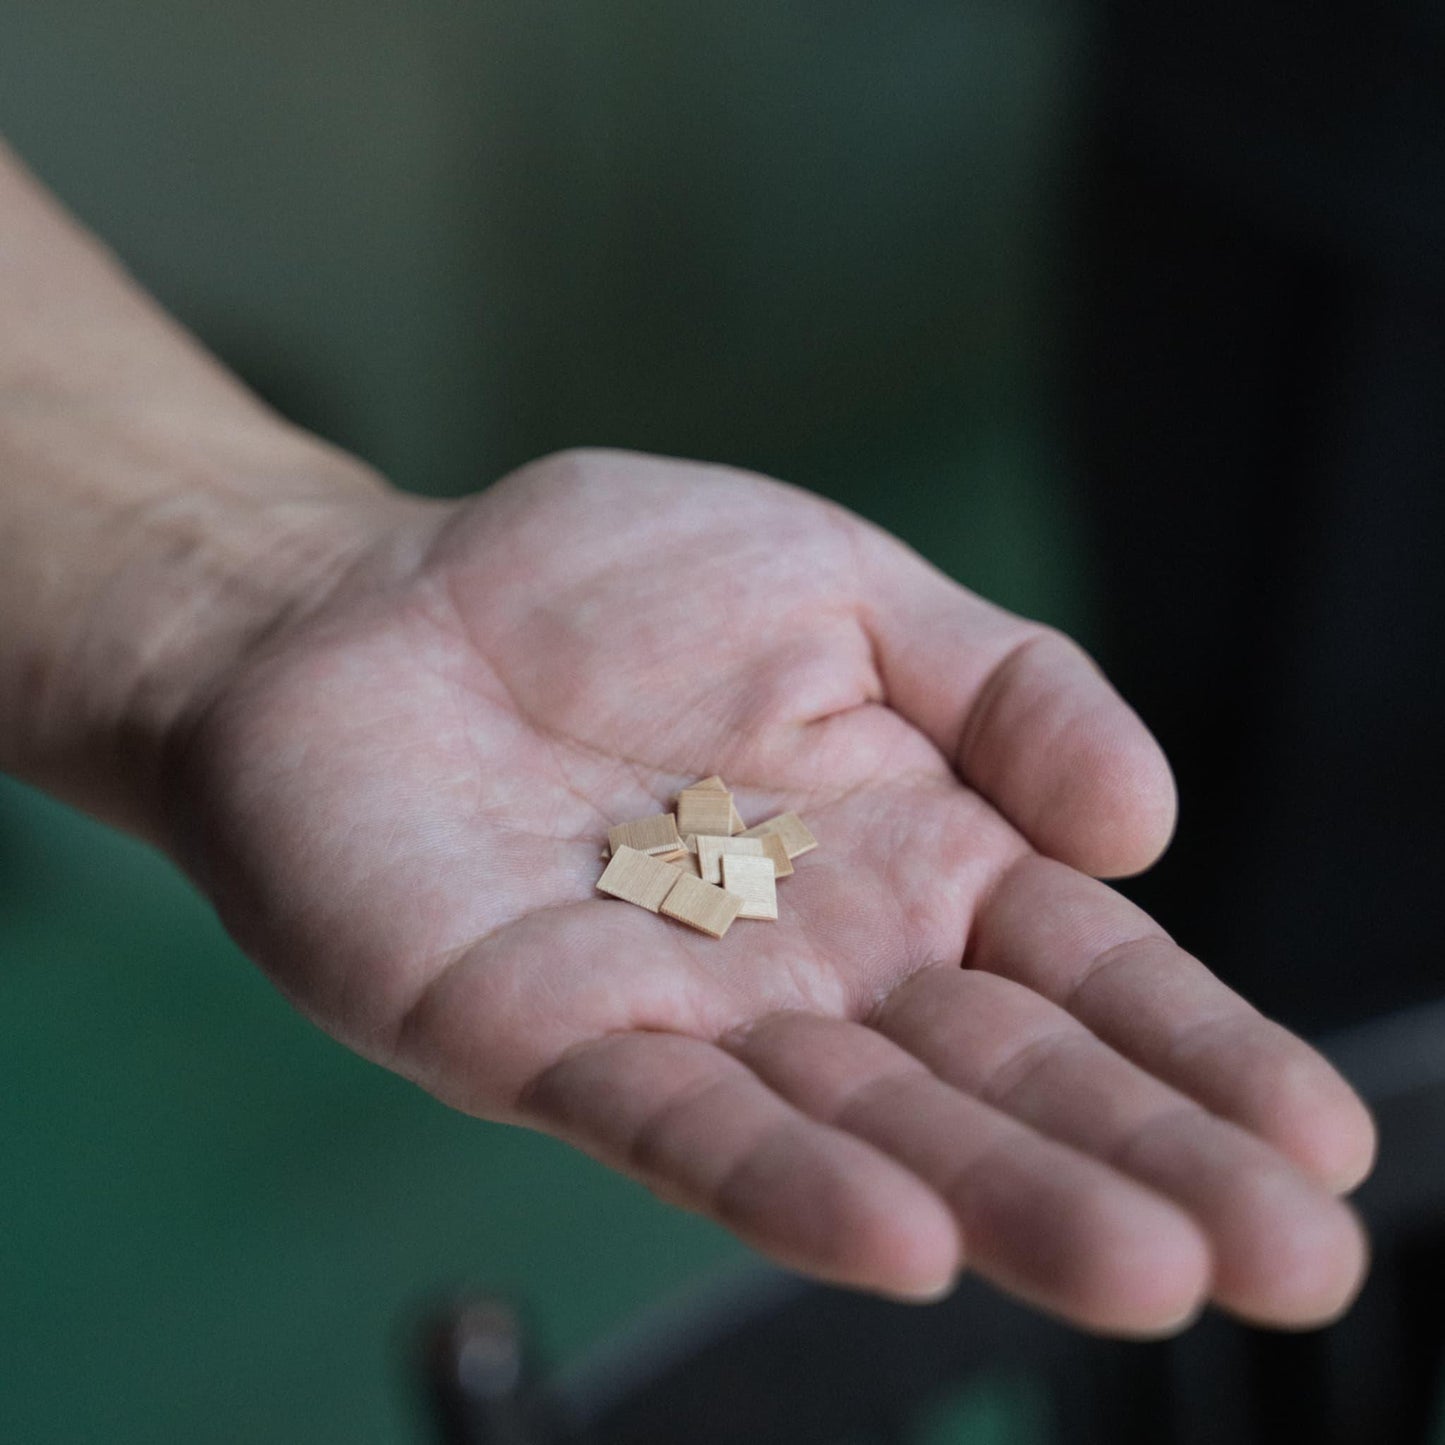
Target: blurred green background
<point>814,239</point>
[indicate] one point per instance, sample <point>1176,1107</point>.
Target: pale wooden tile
<point>710,851</point>
<point>790,828</point>
<point>773,847</point>
<point>701,906</point>
<point>752,879</point>
<point>704,810</point>
<point>638,878</point>
<point>715,784</point>
<point>688,864</point>
<point>657,834</point>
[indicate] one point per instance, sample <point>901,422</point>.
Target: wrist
<point>186,547</point>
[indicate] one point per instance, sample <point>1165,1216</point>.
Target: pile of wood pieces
<point>699,864</point>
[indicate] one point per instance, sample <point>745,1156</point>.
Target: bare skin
<point>387,737</point>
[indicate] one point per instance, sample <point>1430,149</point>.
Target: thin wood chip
<point>790,828</point>
<point>682,860</point>
<point>710,852</point>
<point>704,810</point>
<point>657,834</point>
<point>638,878</point>
<point>773,847</point>
<point>701,906</point>
<point>715,784</point>
<point>701,865</point>
<point>752,879</point>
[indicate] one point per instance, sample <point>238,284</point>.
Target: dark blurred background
<point>1131,323</point>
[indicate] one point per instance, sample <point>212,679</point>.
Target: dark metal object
<point>480,1378</point>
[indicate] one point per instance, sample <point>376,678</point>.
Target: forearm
<point>155,517</point>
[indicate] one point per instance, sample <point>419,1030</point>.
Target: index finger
<point>1085,947</point>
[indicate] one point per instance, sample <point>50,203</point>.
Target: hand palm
<point>400,808</point>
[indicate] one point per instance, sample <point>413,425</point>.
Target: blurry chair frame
<point>768,1359</point>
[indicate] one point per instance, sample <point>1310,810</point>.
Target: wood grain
<point>704,810</point>
<point>790,828</point>
<point>701,906</point>
<point>655,834</point>
<point>635,877</point>
<point>752,879</point>
<point>773,847</point>
<point>710,851</point>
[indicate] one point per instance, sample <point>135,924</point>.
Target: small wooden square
<point>711,850</point>
<point>657,834</point>
<point>773,847</point>
<point>637,878</point>
<point>791,829</point>
<point>701,906</point>
<point>752,879</point>
<point>713,784</point>
<point>704,810</point>
<point>682,860</point>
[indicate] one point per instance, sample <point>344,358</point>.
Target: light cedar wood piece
<point>701,906</point>
<point>683,860</point>
<point>773,847</point>
<point>710,851</point>
<point>791,829</point>
<point>715,784</point>
<point>657,834</point>
<point>752,879</point>
<point>704,810</point>
<point>637,878</point>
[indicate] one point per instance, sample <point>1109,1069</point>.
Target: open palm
<point>954,1049</point>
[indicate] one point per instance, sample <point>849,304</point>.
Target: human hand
<point>397,799</point>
